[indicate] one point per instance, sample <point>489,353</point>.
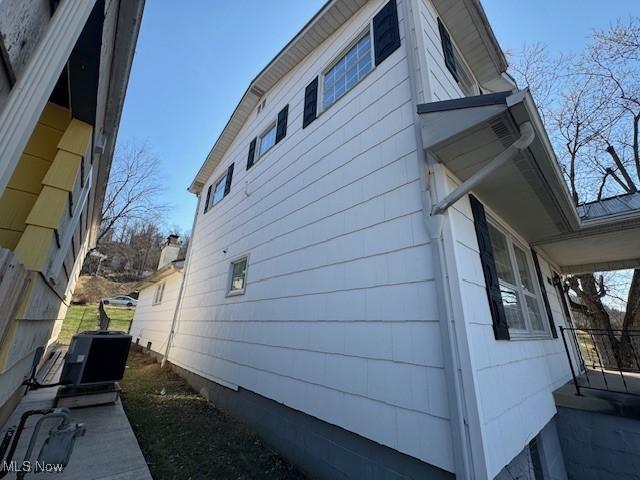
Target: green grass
<point>183,436</point>
<point>85,317</point>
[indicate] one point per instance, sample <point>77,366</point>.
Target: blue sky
<point>195,59</point>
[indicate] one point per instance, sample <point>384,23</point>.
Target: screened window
<point>238,275</point>
<point>518,288</point>
<point>267,140</point>
<point>347,71</point>
<point>159,293</point>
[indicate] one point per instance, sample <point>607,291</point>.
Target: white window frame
<point>528,332</point>
<point>272,126</point>
<point>221,181</point>
<point>240,291</point>
<point>368,30</point>
<point>159,293</point>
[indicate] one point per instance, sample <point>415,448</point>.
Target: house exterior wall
<point>514,379</point>
<point>152,323</point>
<point>339,317</point>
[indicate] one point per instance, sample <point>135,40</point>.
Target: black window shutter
<point>545,299</point>
<point>500,327</point>
<point>227,185</point>
<point>386,32</point>
<point>206,203</point>
<point>252,153</point>
<point>447,49</point>
<point>281,128</point>
<point>310,103</point>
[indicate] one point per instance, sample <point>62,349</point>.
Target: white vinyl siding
<point>339,317</point>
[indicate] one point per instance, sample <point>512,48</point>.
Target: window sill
<point>235,293</point>
<point>519,336</point>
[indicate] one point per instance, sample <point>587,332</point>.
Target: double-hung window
<point>159,293</point>
<point>238,276</point>
<point>267,139</point>
<point>347,71</point>
<point>218,190</point>
<point>519,288</point>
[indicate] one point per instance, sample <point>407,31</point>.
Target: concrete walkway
<point>108,450</point>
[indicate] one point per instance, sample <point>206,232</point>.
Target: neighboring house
<point>157,300</point>
<point>64,67</point>
<point>373,277</point>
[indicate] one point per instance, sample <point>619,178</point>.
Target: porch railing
<point>607,359</point>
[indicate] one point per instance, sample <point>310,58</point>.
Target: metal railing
<point>607,359</point>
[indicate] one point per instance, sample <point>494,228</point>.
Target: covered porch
<point>496,144</point>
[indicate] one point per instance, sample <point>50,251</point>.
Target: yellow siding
<point>49,208</point>
<point>63,171</point>
<point>33,247</point>
<point>43,142</point>
<point>14,208</point>
<point>76,138</point>
<point>9,238</point>
<point>55,116</point>
<point>29,173</point>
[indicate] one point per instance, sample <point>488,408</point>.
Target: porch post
<point>32,90</point>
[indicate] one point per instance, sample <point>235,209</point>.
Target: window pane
<point>523,268</point>
<point>238,275</point>
<point>512,307</point>
<point>218,193</point>
<point>347,71</point>
<point>501,255</point>
<point>534,313</point>
<point>268,140</point>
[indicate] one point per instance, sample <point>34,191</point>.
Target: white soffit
<point>323,24</point>
<point>471,32</point>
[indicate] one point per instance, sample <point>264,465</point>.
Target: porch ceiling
<point>529,192</point>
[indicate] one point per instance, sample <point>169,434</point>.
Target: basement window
<point>519,287</point>
<point>238,276</point>
<point>159,293</point>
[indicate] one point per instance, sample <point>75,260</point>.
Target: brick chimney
<point>169,251</point>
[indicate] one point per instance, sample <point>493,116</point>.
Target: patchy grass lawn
<point>85,317</point>
<point>183,436</point>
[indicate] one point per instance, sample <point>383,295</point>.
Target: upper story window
<point>159,293</point>
<point>219,189</point>
<point>519,288</point>
<point>455,63</point>
<point>347,71</point>
<point>267,140</point>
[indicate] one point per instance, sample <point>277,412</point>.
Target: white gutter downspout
<point>461,443</point>
<point>185,272</point>
<point>526,137</point>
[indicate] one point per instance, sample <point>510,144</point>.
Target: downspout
<point>185,273</point>
<point>462,452</point>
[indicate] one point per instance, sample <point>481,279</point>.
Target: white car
<point>120,300</point>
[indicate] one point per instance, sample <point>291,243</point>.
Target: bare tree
<point>134,192</point>
<point>591,106</point>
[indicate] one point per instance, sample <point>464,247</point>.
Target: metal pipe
<point>573,373</point>
<point>526,137</point>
